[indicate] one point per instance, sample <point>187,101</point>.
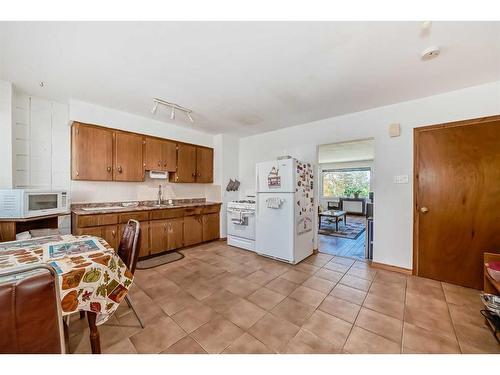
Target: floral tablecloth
<point>91,275</point>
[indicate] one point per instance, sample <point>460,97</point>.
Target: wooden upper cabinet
<point>194,164</point>
<point>91,153</point>
<point>102,154</point>
<point>128,164</point>
<point>204,164</point>
<point>160,155</point>
<point>186,163</point>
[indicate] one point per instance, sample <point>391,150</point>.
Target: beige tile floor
<point>220,299</point>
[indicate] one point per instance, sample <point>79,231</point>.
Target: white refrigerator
<point>284,210</point>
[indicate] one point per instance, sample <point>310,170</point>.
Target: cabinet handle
<point>113,233</point>
<point>159,163</point>
<point>120,170</point>
<point>198,174</point>
<point>176,178</point>
<point>108,169</point>
<point>193,174</point>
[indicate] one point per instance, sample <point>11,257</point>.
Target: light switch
<point>401,179</point>
<point>394,130</point>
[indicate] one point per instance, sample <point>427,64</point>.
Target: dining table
<point>92,277</point>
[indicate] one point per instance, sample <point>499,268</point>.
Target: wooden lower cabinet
<point>175,233</point>
<point>162,230</point>
<point>108,232</point>
<point>193,230</point>
<point>211,227</point>
<point>158,236</point>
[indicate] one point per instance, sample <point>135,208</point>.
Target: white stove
<point>241,224</point>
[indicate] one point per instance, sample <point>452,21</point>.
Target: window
<point>346,182</point>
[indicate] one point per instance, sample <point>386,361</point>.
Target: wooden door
<point>169,156</point>
<point>110,234</point>
<point>204,165</point>
<point>144,249</point>
<point>186,163</point>
<point>457,199</point>
<point>153,154</point>
<point>128,157</point>
<point>211,227</point>
<point>193,230</point>
<point>175,233</point>
<point>91,153</point>
<point>158,236</point>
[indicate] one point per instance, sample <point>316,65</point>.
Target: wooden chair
<point>128,251</point>
<point>30,314</point>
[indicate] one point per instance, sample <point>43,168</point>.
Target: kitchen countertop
<point>77,209</point>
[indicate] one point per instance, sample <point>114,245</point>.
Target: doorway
<point>457,199</point>
<point>345,197</point>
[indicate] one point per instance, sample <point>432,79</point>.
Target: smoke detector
<point>430,53</point>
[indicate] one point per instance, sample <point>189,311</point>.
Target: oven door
<point>43,203</point>
<point>241,223</point>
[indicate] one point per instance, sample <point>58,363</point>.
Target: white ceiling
<point>347,151</point>
<point>246,77</point>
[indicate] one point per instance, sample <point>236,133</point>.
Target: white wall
<point>226,156</point>
<point>393,156</point>
<point>6,107</point>
<point>96,191</point>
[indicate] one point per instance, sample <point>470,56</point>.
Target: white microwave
<point>23,203</point>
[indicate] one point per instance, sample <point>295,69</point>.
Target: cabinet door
<point>91,231</point>
<point>193,230</point>
<point>158,236</point>
<point>91,153</point>
<point>186,163</point>
<point>144,250</point>
<point>211,227</point>
<point>110,234</point>
<point>204,165</point>
<point>169,156</point>
<point>128,157</point>
<point>175,233</point>
<point>153,154</point>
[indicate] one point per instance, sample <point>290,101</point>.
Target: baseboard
<point>388,267</point>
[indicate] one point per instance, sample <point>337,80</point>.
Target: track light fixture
<point>172,107</point>
<point>155,107</point>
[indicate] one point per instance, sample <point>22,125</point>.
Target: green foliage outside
<point>346,183</point>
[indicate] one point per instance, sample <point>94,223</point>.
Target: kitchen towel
<point>275,202</point>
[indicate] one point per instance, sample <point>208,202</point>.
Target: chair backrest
<point>130,244</point>
<point>30,313</point>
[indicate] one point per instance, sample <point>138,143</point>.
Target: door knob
<point>424,210</point>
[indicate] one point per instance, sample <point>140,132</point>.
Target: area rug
<point>159,260</point>
<point>351,230</point>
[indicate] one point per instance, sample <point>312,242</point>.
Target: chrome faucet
<point>159,195</point>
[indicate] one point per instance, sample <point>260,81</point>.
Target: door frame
<point>416,134</point>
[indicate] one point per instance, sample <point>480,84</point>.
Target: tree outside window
<point>346,183</point>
